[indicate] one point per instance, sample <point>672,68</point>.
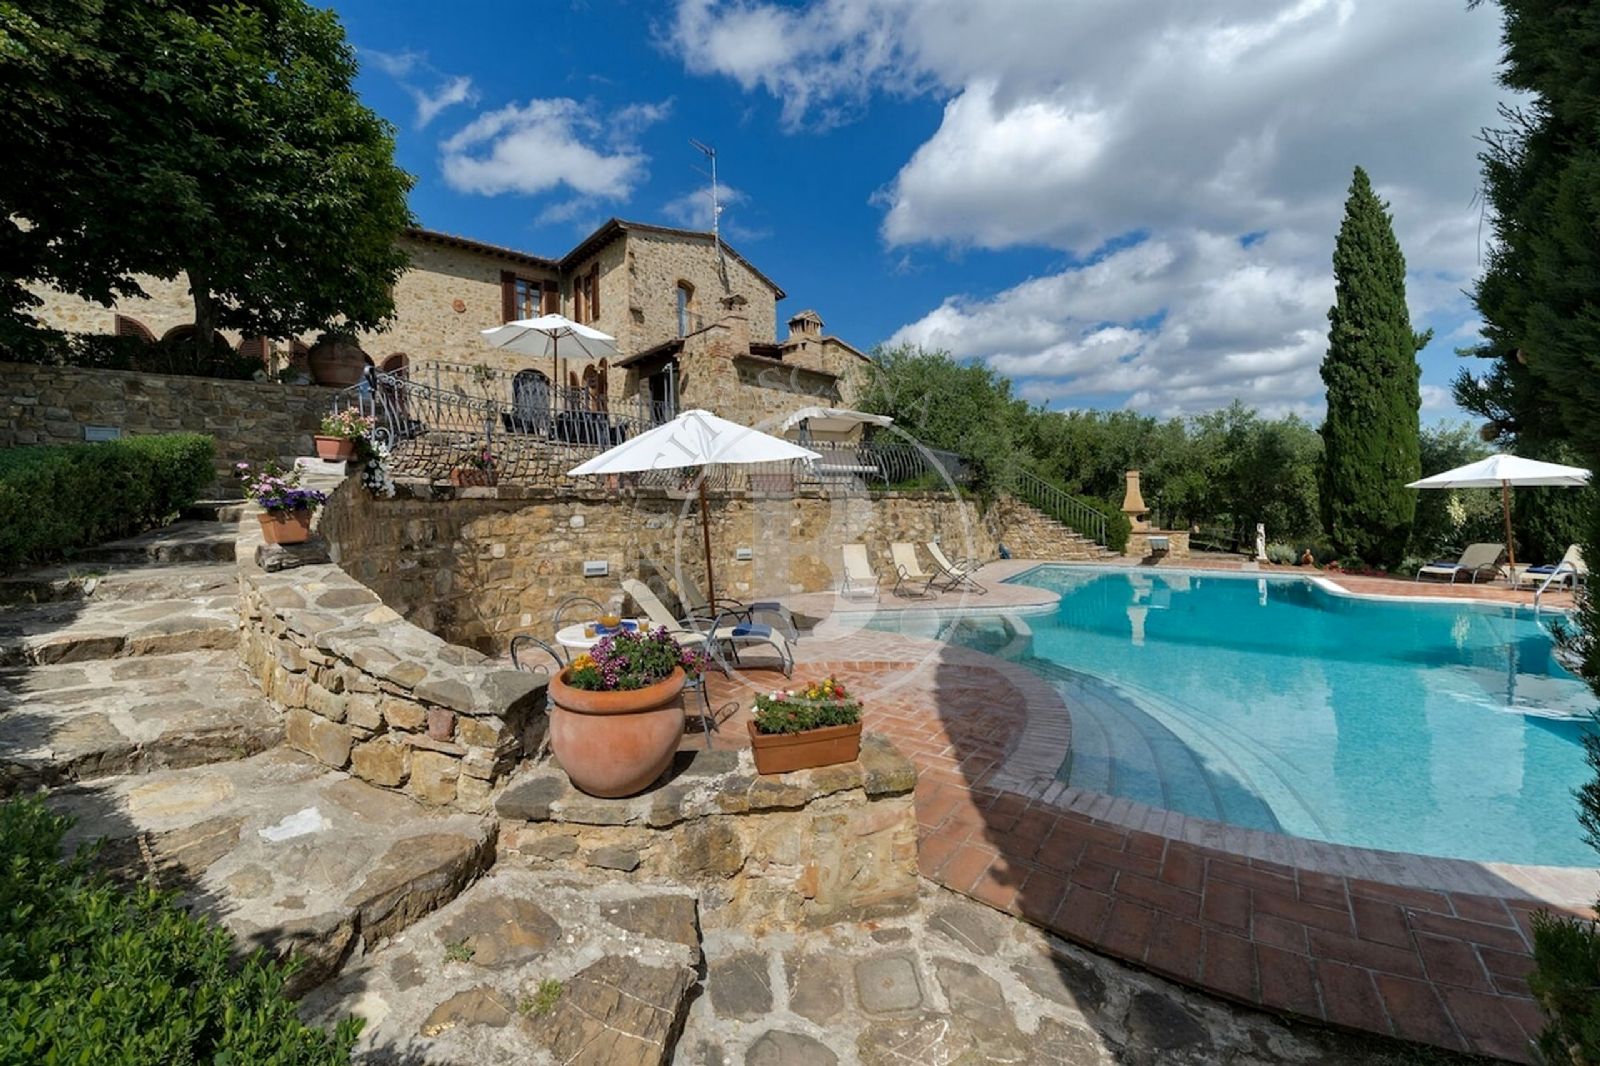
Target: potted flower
<point>616,713</point>
<point>340,432</point>
<point>475,468</point>
<point>802,728</point>
<point>288,507</point>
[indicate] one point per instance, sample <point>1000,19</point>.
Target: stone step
<point>289,855</point>
<point>528,967</point>
<point>216,510</point>
<point>200,611</point>
<point>184,541</point>
<point>117,582</point>
<point>72,722</point>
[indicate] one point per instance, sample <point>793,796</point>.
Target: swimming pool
<point>1438,728</point>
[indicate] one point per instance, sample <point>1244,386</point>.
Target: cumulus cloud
<point>1172,126</point>
<point>409,68</point>
<point>545,144</point>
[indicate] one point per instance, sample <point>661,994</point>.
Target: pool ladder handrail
<point>1562,569</point>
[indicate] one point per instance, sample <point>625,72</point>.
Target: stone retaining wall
<point>365,691</point>
<point>1177,544</point>
<point>789,851</point>
<point>478,565</point>
<point>250,420</point>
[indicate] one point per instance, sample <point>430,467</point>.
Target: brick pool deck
<point>1431,950</point>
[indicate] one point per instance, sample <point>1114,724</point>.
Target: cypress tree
<point>1370,435</point>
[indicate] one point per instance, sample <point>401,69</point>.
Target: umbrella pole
<point>1505,505</point>
<point>705,536</point>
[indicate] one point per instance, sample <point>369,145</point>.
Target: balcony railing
<point>543,433</point>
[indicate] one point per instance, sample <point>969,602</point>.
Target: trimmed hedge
<point>92,972</point>
<point>58,498</point>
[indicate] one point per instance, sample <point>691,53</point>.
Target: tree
<point>1369,437</point>
<point>219,143</point>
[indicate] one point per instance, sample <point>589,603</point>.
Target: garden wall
<point>479,565</point>
<point>248,419</point>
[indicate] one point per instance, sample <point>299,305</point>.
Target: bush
<point>91,971</point>
<point>1118,525</point>
<point>1566,956</point>
<point>103,351</point>
<point>57,498</point>
<point>1282,554</point>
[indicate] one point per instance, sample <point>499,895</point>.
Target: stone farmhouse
<point>695,322</point>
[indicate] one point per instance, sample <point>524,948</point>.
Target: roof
<point>466,244</point>
<point>614,228</point>
<point>665,349</point>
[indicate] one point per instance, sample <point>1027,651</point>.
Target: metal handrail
<point>1562,570</point>
<point>1061,505</point>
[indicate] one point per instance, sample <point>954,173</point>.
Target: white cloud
<point>408,67</point>
<point>1172,126</point>
<point>544,144</point>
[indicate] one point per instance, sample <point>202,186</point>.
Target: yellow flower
<point>582,662</point>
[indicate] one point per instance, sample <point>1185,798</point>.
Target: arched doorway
<point>530,402</point>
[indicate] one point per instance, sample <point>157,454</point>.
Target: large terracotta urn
<point>615,744</point>
<point>337,362</point>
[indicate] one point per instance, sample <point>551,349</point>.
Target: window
<point>526,298</point>
<point>586,295</point>
<point>685,300</point>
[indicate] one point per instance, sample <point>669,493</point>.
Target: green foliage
<point>629,661</point>
<point>544,998</point>
<point>57,498</point>
<point>459,951</point>
<point>223,144</point>
<point>1282,554</point>
<point>1118,525</point>
<point>91,972</point>
<point>814,706</point>
<point>101,351</point>
<point>1370,446</point>
<point>1566,956</point>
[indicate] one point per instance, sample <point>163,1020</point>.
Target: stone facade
<point>1139,543</point>
<point>787,851</point>
<point>53,405</point>
<point>367,692</point>
<point>479,565</point>
<point>657,262</point>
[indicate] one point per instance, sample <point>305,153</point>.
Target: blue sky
<point>1115,204</point>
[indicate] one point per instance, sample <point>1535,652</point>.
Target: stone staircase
<point>1029,533</point>
<point>123,694</point>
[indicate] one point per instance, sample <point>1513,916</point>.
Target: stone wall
<point>365,691</point>
<point>1177,544</point>
<point>479,565</point>
<point>656,262</point>
<point>789,851</point>
<point>250,420</point>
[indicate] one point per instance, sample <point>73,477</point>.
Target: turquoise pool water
<point>1441,729</point>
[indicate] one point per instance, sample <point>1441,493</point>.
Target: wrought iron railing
<point>1065,508</point>
<point>431,432</point>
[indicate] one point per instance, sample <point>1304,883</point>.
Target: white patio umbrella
<point>1504,472</point>
<point>542,336</point>
<point>694,438</point>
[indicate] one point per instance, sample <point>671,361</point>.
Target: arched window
<point>178,333</point>
<point>398,364</point>
<point>124,326</point>
<point>685,303</point>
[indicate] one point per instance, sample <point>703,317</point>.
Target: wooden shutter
<point>594,292</point>
<point>508,296</point>
<point>551,303</point>
<point>123,326</point>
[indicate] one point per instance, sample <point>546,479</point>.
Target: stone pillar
<point>1133,502</point>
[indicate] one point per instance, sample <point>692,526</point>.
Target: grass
<point>543,1000</point>
<point>459,951</point>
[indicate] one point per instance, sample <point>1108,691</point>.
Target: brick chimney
<point>806,324</point>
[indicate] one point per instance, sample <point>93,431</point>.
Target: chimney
<point>805,324</point>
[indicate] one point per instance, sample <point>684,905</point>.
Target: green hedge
<point>1565,979</point>
<point>92,972</point>
<point>58,498</point>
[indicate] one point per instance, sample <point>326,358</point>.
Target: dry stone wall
<point>1028,533</point>
<point>250,420</point>
<point>365,691</point>
<point>479,565</point>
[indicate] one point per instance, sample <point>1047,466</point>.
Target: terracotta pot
<point>286,527</point>
<point>615,744</point>
<point>334,449</point>
<point>779,753</point>
<point>467,476</point>
<point>337,363</point>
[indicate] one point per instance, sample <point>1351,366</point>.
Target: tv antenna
<point>716,198</point>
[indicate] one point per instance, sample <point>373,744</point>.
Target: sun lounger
<point>957,574</point>
<point>909,572</point>
<point>1477,559</point>
<point>691,630</point>
<point>859,579</point>
<point>724,631</point>
<point>1571,570</point>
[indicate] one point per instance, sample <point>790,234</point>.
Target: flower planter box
<point>469,477</point>
<point>334,449</point>
<point>615,744</point>
<point>781,753</point>
<point>286,527</point>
